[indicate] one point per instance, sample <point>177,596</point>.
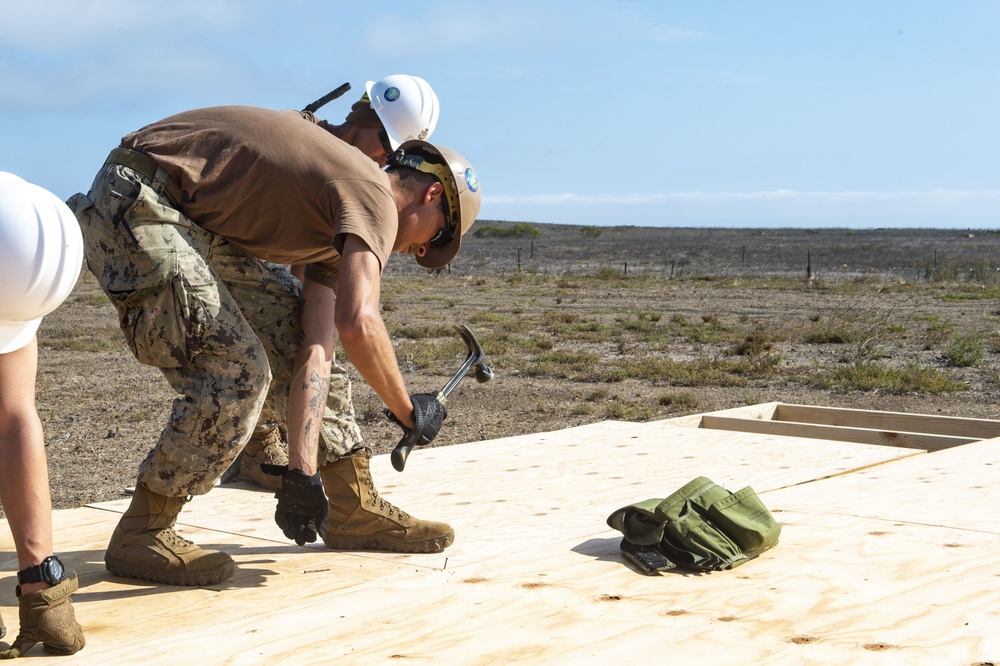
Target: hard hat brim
<point>15,336</point>
<point>439,257</point>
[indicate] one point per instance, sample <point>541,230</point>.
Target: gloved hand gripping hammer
<point>475,360</point>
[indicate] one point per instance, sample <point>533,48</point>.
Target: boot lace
<point>173,540</point>
<point>384,506</point>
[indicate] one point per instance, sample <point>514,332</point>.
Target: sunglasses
<point>444,236</point>
<point>383,137</point>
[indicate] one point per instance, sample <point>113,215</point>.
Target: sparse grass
<point>495,320</point>
<point>972,292</point>
<point>937,333</point>
<point>757,348</point>
<point>534,326</point>
<point>709,330</point>
<point>873,316</point>
<point>681,399</point>
<point>92,298</point>
<point>871,376</point>
<point>965,351</point>
<point>562,364</point>
<point>992,342</point>
<point>440,356</point>
<point>598,394</point>
<point>715,372</point>
<point>422,332</point>
<point>84,341</point>
<point>623,411</point>
<point>823,335</point>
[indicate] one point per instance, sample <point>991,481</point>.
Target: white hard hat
<point>41,252</point>
<point>406,105</point>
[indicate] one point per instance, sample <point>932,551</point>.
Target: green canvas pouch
<point>745,519</point>
<point>701,526</point>
<point>689,536</point>
<point>639,522</point>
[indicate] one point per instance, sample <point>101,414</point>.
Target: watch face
<point>56,570</point>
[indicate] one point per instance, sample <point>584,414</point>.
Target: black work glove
<point>47,617</point>
<point>302,506</point>
<point>428,414</point>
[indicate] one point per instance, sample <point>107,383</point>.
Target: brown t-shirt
<point>273,184</point>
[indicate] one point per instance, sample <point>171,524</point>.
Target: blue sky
<point>661,113</point>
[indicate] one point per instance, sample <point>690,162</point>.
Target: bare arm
<point>362,331</point>
<point>311,376</point>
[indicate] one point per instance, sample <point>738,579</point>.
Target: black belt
<point>145,165</point>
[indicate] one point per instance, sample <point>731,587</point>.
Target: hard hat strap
<point>439,171</point>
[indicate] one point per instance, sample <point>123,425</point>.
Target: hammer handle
<point>329,97</point>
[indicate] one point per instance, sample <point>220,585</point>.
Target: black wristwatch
<point>50,571</point>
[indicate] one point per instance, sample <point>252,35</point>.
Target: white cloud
<point>122,26</point>
<point>84,56</point>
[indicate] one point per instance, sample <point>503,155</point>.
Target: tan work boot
<point>267,448</point>
<point>360,519</point>
<point>144,545</point>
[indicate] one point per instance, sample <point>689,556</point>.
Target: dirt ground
<point>102,411</point>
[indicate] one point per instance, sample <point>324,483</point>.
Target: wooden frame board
<point>916,431</point>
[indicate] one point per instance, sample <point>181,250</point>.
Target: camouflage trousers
<point>221,325</point>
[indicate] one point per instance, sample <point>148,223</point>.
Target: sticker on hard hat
<point>391,94</point>
<point>471,179</point>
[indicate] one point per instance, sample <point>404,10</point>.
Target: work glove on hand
<point>302,506</point>
<point>428,414</point>
<point>47,617</point>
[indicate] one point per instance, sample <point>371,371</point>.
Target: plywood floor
<point>888,556</point>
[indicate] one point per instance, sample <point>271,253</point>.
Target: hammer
<point>329,97</point>
<point>475,360</point>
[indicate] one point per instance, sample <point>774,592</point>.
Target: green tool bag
<point>702,526</point>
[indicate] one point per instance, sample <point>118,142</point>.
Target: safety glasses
<point>383,137</point>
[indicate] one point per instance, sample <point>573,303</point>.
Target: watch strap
<point>37,573</point>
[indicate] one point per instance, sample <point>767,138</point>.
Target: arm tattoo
<point>317,388</point>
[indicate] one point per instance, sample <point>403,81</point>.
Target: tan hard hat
<point>461,190</point>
